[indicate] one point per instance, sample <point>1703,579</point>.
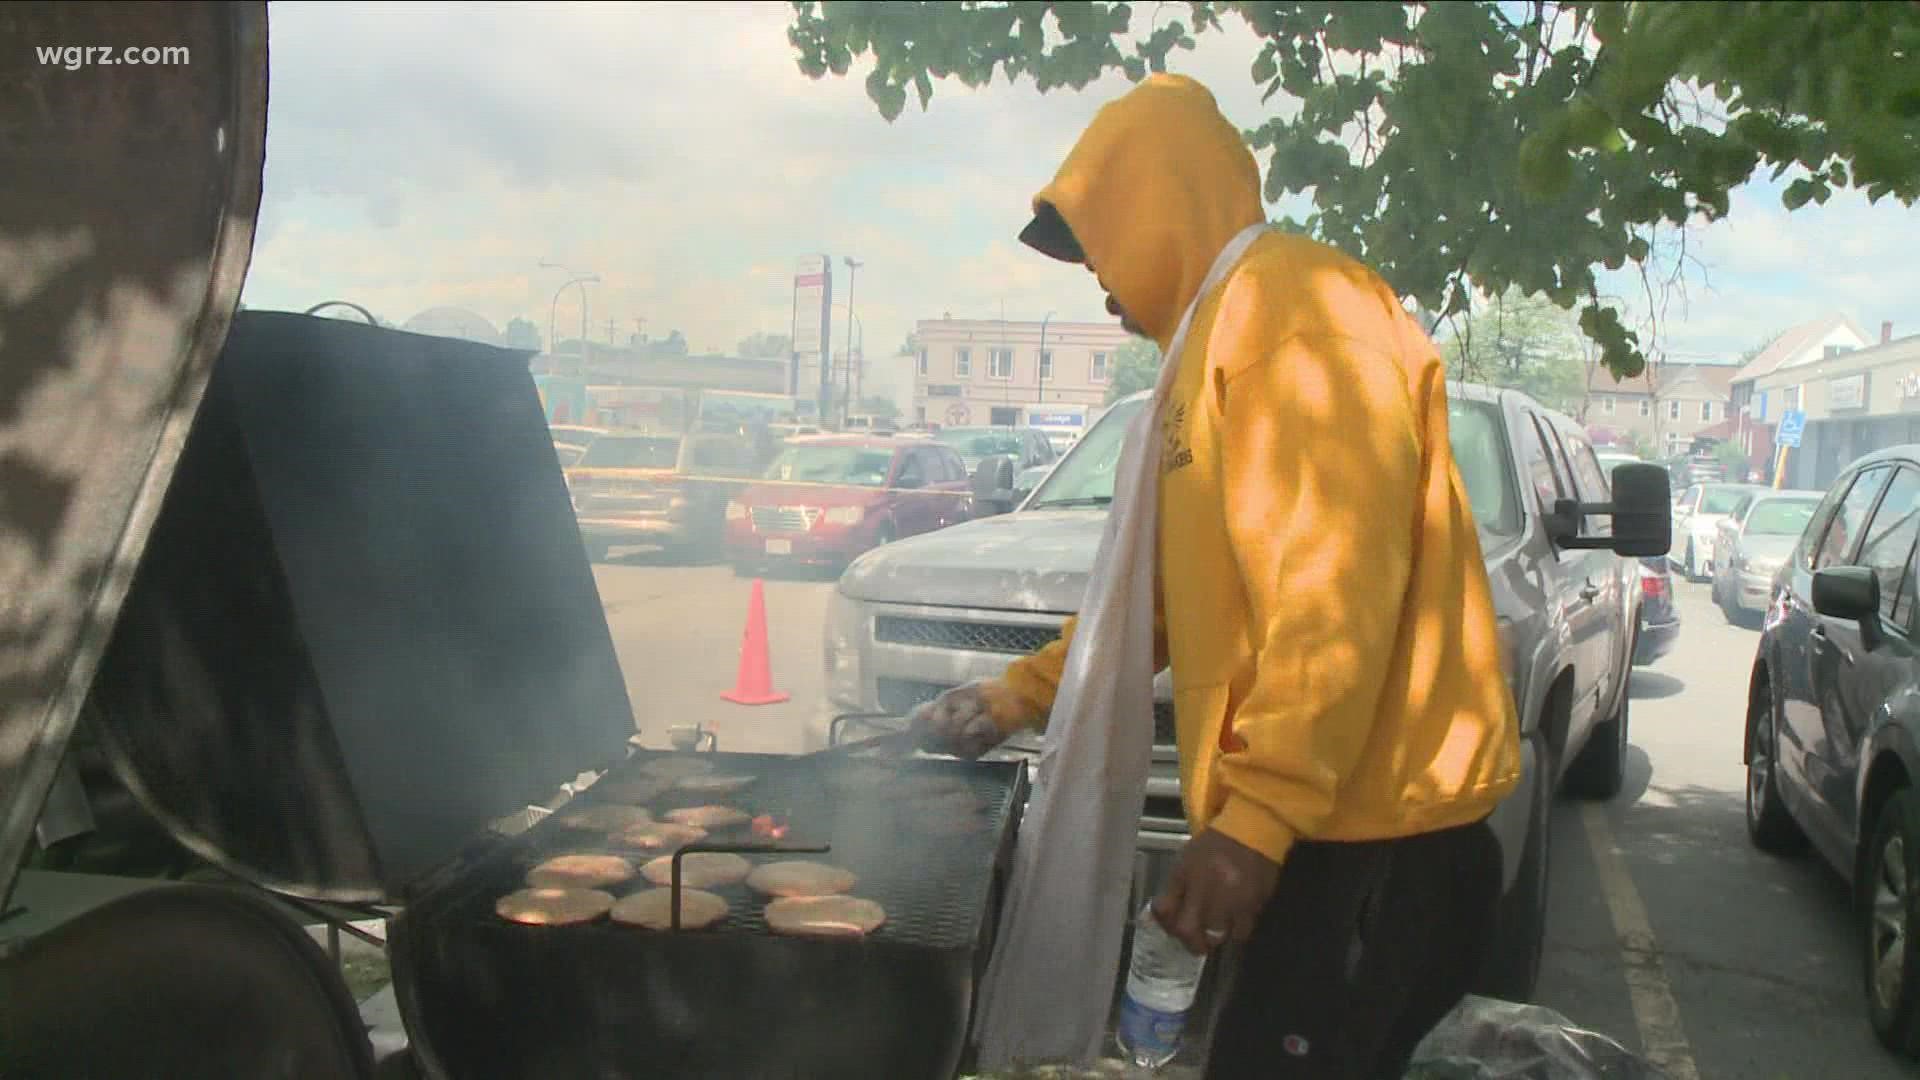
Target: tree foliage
<point>765,347</point>
<point>1477,147</point>
<point>1520,343</point>
<point>1135,367</point>
<point>522,334</point>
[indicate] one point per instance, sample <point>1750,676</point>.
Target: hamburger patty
<point>659,836</point>
<point>709,817</point>
<point>825,916</point>
<point>699,870</point>
<point>652,909</point>
<point>553,907</point>
<point>798,877</point>
<point>604,818</point>
<point>580,872</point>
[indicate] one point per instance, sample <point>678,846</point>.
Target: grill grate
<point>934,887</point>
<point>784,518</point>
<point>956,634</point>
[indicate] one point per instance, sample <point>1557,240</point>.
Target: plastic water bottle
<point>1162,979</point>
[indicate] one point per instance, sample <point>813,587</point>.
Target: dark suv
<point>1832,711</point>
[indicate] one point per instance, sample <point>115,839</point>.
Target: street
<point>1666,929</point>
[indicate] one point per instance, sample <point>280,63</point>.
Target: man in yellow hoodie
<point>1344,725</point>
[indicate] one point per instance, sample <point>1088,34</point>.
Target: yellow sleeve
<point>1320,456</point>
<point>1032,681</point>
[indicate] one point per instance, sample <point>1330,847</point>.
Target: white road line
<point>1655,1012</point>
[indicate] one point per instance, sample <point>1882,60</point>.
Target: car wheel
<point>1511,970</point>
<point>1687,567</point>
<point>1601,768</point>
<point>1889,896</point>
<point>1769,825</point>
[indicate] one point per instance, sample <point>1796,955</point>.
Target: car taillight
<point>1653,585</point>
<point>736,512</point>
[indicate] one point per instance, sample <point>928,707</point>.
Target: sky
<point>421,155</point>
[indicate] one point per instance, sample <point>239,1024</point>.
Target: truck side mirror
<point>993,486</point>
<point>1641,513</point>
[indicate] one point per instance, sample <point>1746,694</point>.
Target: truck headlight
<point>846,631</point>
<point>736,511</point>
<point>845,515</point>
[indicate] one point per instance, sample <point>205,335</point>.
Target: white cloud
<point>422,154</point>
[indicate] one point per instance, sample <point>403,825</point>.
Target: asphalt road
<point>1667,930</point>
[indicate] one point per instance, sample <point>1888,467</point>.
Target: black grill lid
<point>131,192</point>
<point>364,626</point>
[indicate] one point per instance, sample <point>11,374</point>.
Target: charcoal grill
<point>484,997</point>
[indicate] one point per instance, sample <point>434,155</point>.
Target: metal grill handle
<point>736,848</point>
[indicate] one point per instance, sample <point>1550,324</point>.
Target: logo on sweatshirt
<point>1174,452</point>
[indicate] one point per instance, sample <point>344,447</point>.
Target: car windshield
<point>1722,500</point>
<point>1085,477</point>
<point>1780,517</point>
<point>975,443</point>
<point>859,465</point>
<point>1480,453</point>
<point>632,452</point>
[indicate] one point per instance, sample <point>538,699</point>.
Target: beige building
<point>984,371</point>
<point>1665,412</point>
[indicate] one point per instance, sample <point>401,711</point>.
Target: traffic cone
<point>754,684</point>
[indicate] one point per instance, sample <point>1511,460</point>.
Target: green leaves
<point>1473,145</point>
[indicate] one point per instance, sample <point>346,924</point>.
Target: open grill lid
<point>364,626</point>
<point>128,195</point>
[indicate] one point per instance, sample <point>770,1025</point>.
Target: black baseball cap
<point>1049,234</point>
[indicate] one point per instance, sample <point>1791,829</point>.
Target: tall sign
<point>812,368</point>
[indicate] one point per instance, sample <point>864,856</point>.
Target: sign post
<point>1793,424</point>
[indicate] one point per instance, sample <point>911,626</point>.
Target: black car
<point>1659,616</point>
<point>1833,719</point>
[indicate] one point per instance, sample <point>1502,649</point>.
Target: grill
<point>490,998</point>
<point>899,696</point>
<point>784,518</point>
<point>954,634</point>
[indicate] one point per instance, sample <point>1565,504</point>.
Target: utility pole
<point>846,378</point>
<point>1040,366</point>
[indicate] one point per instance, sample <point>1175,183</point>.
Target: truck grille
<point>955,634</point>
<point>899,697</point>
<point>784,518</point>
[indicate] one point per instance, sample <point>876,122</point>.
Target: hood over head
<point>1156,186</point>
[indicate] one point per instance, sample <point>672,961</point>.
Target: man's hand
<point>957,722</point>
<point>1218,889</point>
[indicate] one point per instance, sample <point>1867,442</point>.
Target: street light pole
<point>1040,366</point>
<point>574,278</point>
<point>846,377</point>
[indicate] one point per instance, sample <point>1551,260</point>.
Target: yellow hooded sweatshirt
<point>1322,599</point>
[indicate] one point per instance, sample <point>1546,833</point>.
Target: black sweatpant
<point>1362,950</point>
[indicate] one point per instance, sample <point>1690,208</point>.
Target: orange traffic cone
<point>754,684</point>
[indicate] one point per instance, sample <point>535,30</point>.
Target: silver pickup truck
<point>915,618</point>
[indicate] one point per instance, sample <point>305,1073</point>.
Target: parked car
<point>1027,481</point>
<point>570,441</point>
<point>1609,459</point>
<point>1833,720</point>
<point>1659,615</point>
<point>826,499</point>
<point>1696,517</point>
<point>654,487</point>
<point>1025,447</point>
<point>912,620</point>
<point>1751,545</point>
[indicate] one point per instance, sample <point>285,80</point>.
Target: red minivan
<point>826,499</point>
